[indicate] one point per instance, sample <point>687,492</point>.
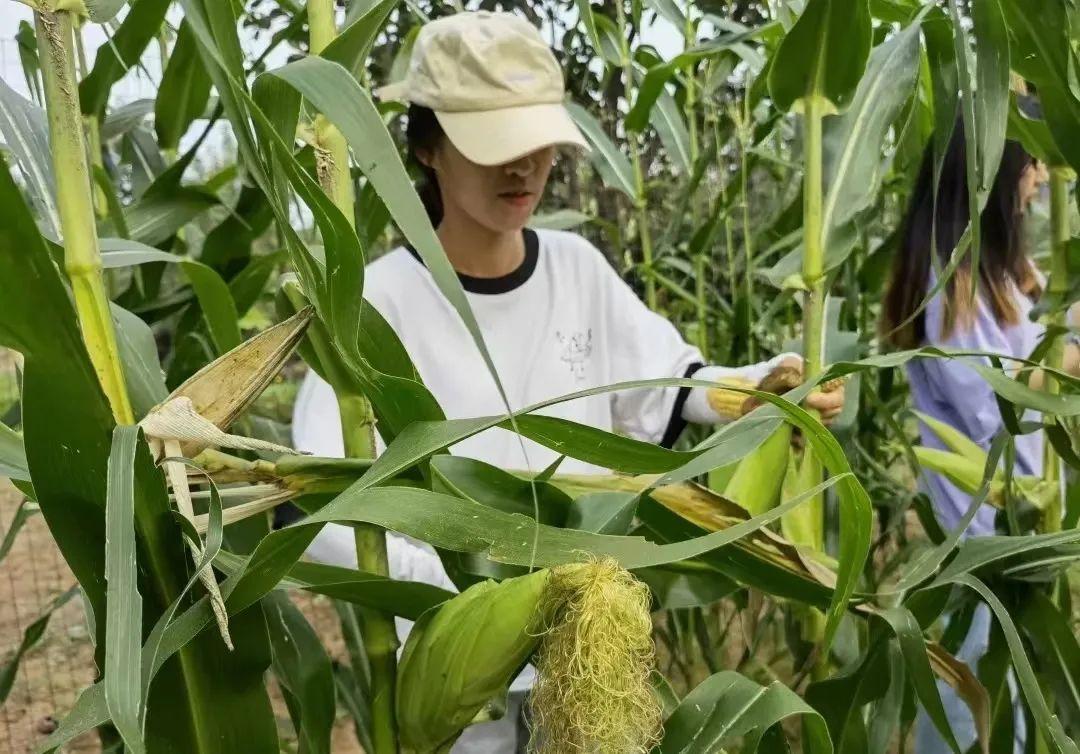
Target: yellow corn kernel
<point>726,402</point>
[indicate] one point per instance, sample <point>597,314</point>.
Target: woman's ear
<point>426,157</point>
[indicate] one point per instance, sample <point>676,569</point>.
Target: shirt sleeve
<point>954,381</point>
<point>645,345</point>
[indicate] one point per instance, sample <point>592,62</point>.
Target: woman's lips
<point>517,198</point>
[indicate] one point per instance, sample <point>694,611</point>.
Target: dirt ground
<point>58,667</point>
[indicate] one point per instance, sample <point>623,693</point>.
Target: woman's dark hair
<point>424,134</point>
<point>1002,257</point>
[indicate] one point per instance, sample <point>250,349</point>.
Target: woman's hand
<point>827,400</point>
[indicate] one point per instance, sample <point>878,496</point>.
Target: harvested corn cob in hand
<point>827,399</point>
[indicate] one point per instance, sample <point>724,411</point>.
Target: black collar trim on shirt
<point>504,283</point>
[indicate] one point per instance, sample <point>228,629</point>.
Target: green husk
<point>955,440</point>
<point>463,654</point>
<point>758,478</point>
<point>589,626</point>
<point>804,525</point>
<point>968,476</point>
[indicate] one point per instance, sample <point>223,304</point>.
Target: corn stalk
<point>82,257</point>
<point>1059,283</point>
<point>93,132</point>
<point>745,132</point>
<point>702,258</point>
<point>813,262</point>
<point>358,421</point>
<point>641,203</point>
<point>813,274</point>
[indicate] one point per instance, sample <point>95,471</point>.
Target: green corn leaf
<point>124,50</point>
<point>841,698</point>
<point>612,164</point>
<point>139,355</point>
<point>1056,650</point>
<point>26,135</point>
<point>668,121</point>
<point>658,75</point>
<point>668,10</point>
<point>23,513</point>
<point>31,636</point>
<point>823,55</point>
<point>183,92</point>
<point>156,218</point>
<point>123,620</point>
<point>1042,54</point>
<point>407,599</point>
<point>215,299</point>
<point>12,455</point>
<point>464,526</point>
<point>601,42</point>
<point>727,705</point>
<point>125,118</point>
<point>1049,724</point>
<point>909,637</point>
<point>352,46</point>
<point>1034,135</point>
<point>852,160</point>
<point>992,88</point>
<point>101,11</point>
<point>304,673</point>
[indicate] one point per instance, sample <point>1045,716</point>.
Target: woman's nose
<point>522,167</point>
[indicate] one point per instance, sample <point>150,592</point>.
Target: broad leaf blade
<point>123,619</point>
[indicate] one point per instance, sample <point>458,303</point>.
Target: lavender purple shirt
<point>953,392</point>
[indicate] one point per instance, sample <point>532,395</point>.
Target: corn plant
<point>138,434</point>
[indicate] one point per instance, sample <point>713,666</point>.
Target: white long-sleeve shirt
<point>562,322</point>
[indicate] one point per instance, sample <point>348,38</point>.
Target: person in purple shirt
<point>996,320</point>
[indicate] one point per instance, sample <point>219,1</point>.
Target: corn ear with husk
<point>461,655</point>
<point>590,628</point>
<point>967,474</point>
<point>965,464</point>
<point>196,414</point>
<point>954,439</point>
<point>758,477</point>
<point>226,387</point>
<point>803,526</point>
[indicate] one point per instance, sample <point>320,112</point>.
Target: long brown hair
<point>1003,259</point>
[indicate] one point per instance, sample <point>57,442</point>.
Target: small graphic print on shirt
<point>577,347</point>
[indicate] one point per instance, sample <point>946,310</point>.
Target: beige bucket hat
<point>493,84</point>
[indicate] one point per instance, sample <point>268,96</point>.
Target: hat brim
<point>395,92</point>
<point>495,137</point>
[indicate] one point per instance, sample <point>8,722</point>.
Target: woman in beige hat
<point>485,118</point>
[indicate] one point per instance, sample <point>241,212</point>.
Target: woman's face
<point>1031,180</point>
<point>500,198</point>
